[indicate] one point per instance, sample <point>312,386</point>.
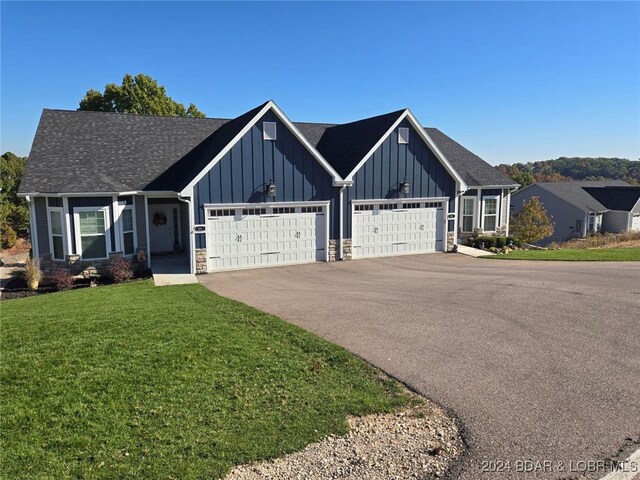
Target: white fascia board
<point>473,187</point>
<point>462,186</point>
<point>158,193</point>
<point>270,105</point>
<point>376,146</point>
<point>312,150</point>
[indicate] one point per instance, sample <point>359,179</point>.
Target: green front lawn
<point>139,381</point>
<point>584,254</point>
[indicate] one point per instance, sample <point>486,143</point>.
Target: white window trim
<point>65,248</point>
<point>266,135</point>
<point>474,214</point>
<point>403,140</point>
<point>133,226</point>
<point>107,229</point>
<point>497,214</point>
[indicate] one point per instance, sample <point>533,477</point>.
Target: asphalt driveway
<point>539,360</point>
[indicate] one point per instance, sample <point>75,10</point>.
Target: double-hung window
<point>92,227</point>
<point>490,214</point>
<point>128,242</point>
<point>56,230</point>
<point>468,213</point>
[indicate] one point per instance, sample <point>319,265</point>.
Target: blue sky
<point>512,81</point>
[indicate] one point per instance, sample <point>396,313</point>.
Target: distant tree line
<point>14,213</point>
<point>575,168</point>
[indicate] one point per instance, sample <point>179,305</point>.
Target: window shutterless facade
<point>489,214</point>
<point>128,231</point>
<point>468,213</point>
<point>56,233</point>
<point>92,232</point>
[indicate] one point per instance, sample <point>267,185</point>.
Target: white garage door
<point>635,222</point>
<point>397,228</point>
<point>251,237</point>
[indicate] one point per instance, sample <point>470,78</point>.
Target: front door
<point>161,227</point>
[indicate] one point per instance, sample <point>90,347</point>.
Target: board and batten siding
<point>242,175</point>
<point>380,176</point>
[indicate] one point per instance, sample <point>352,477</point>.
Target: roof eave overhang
<point>270,105</point>
<point>461,185</point>
<point>101,194</point>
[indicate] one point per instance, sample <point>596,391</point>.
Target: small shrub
<point>62,280</point>
<point>8,237</point>
<point>120,270</point>
<point>32,273</point>
<point>140,260</point>
<point>484,242</point>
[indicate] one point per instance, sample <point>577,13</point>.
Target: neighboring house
<point>257,190</point>
<point>575,211</point>
<point>623,207</point>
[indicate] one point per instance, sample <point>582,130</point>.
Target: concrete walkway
<point>171,270</point>
<point>164,279</point>
<point>473,252</point>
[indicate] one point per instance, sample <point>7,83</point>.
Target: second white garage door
<point>387,229</point>
<point>265,236</point>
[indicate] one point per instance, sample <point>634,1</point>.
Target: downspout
<point>146,215</point>
<point>192,236</point>
<point>35,251</point>
<point>341,226</point>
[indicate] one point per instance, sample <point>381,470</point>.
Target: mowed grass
<point>629,254</point>
<point>138,381</point>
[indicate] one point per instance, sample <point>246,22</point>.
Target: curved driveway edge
<point>539,360</point>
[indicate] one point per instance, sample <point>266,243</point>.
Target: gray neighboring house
<point>623,204</point>
<point>254,191</point>
<point>576,212</point>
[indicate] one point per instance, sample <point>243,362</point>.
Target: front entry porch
<point>172,269</point>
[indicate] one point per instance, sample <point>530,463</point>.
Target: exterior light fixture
<point>404,186</point>
<point>271,189</point>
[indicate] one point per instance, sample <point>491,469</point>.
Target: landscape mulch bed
<point>17,287</point>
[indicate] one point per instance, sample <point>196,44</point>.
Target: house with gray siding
<point>623,207</point>
<point>577,207</point>
<point>255,191</point>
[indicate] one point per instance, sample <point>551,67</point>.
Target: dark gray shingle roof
<point>81,152</point>
<point>345,145</point>
<point>615,198</point>
<point>78,151</point>
<point>474,171</point>
<point>575,193</point>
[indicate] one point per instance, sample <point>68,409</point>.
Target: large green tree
<point>532,223</point>
<point>141,95</point>
<point>14,213</point>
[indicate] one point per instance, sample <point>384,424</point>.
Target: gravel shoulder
<point>418,442</point>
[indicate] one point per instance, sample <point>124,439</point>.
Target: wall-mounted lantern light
<point>271,189</point>
<point>404,186</point>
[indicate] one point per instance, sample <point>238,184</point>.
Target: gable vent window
<point>403,135</point>
<point>269,131</point>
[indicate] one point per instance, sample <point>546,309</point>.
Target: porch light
<point>271,189</point>
<point>404,186</point>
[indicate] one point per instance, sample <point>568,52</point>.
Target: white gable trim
<point>186,191</point>
<point>462,186</point>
